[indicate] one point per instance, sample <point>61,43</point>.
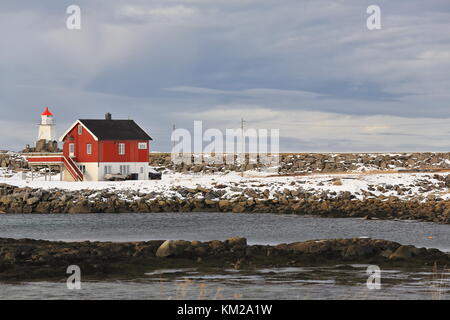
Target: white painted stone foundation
<point>96,171</point>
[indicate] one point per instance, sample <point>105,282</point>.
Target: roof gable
<point>73,127</point>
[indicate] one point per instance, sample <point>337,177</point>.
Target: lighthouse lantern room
<point>47,126</point>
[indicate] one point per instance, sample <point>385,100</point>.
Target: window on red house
<point>121,149</point>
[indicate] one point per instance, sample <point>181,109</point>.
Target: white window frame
<point>82,168</point>
<point>124,169</point>
<point>71,149</point>
<point>89,148</point>
<point>142,146</point>
<point>122,149</point>
<point>107,169</point>
<point>80,129</point>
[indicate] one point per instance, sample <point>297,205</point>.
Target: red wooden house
<point>95,148</point>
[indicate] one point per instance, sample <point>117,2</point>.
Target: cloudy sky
<point>310,68</point>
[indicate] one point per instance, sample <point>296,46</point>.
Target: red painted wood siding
<point>104,151</point>
<point>37,159</point>
<point>81,142</point>
<point>109,151</point>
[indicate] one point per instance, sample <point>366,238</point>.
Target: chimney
<point>108,116</point>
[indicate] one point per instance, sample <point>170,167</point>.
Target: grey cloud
<point>151,60</point>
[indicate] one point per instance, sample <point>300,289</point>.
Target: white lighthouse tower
<point>47,126</point>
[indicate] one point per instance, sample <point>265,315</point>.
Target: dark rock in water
<point>403,253</point>
<point>25,259</point>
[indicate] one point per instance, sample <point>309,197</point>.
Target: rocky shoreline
<point>289,163</point>
<point>25,259</point>
<point>298,163</point>
<point>28,200</point>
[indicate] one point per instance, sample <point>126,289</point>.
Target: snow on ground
<point>360,185</point>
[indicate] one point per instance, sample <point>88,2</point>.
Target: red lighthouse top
<point>46,112</point>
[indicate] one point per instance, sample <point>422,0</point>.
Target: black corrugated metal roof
<point>115,129</point>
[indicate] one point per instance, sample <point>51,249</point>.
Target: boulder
<point>359,250</point>
<point>215,244</point>
<point>403,253</point>
<point>171,248</point>
<point>308,246</point>
<point>386,253</point>
<point>32,201</point>
<point>238,209</point>
<point>80,207</point>
<point>236,241</point>
<point>224,204</point>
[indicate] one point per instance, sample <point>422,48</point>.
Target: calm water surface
<point>285,283</point>
<point>257,228</point>
<point>281,283</point>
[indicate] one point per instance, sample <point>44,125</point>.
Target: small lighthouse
<point>47,126</point>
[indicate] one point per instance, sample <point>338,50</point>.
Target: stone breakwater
<point>291,163</point>
<point>26,259</point>
<point>27,200</point>
<point>298,163</point>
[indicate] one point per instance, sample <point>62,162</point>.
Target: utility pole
<point>242,147</point>
<point>173,141</point>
